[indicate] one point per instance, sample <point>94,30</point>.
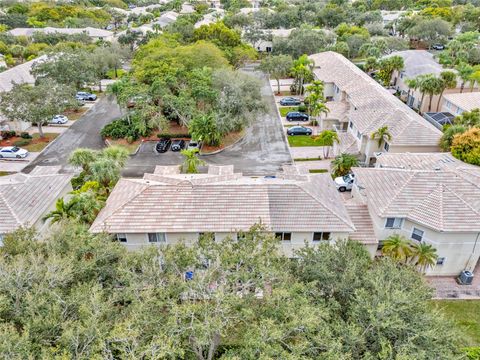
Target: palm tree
<point>474,77</point>
<point>302,71</point>
<point>449,134</point>
<point>431,85</point>
<point>326,139</point>
<point>464,72</point>
<point>316,100</point>
<point>106,172</point>
<point>423,255</point>
<point>397,247</point>
<point>204,128</point>
<point>343,163</point>
<point>370,64</point>
<point>412,85</point>
<point>119,154</point>
<point>449,81</point>
<point>83,158</point>
<point>191,161</point>
<point>63,210</point>
<point>382,134</point>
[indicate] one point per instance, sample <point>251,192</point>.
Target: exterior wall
<point>328,90</point>
<point>453,109</point>
<point>413,149</point>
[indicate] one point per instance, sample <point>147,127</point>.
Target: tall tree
<point>191,161</point>
<point>277,66</point>
<point>315,100</point>
<point>343,163</point>
<point>36,104</point>
<point>431,85</point>
<point>464,72</point>
<point>449,81</point>
<point>423,256</point>
<point>327,138</point>
<point>302,70</point>
<point>397,247</point>
<point>381,134</point>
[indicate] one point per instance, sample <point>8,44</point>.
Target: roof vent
<point>437,168</point>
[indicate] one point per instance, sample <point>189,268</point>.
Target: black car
<point>299,130</point>
<point>438,46</point>
<point>177,145</point>
<point>297,116</point>
<point>290,101</point>
<point>163,145</point>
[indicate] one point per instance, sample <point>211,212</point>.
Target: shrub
<point>171,136</point>
<point>120,129</point>
<point>7,134</point>
<point>111,74</point>
<point>25,135</point>
<point>21,142</point>
<point>302,108</point>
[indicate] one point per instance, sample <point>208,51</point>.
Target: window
<point>336,89</point>
<point>350,125</point>
<point>269,49</point>
<point>386,146</point>
<point>359,135</point>
<point>449,105</point>
<point>156,238</point>
<point>284,236</point>
<point>393,223</point>
<point>441,260</point>
<point>122,237</point>
<point>321,236</point>
<point>417,234</point>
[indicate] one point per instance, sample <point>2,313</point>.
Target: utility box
<point>465,278</point>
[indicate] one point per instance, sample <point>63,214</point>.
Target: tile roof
<point>418,62</point>
<point>90,31</point>
<point>420,161</point>
<point>465,101</point>
<point>360,216</point>
<point>24,198</point>
<point>443,200</point>
<point>19,74</point>
<point>223,203</point>
<point>372,106</point>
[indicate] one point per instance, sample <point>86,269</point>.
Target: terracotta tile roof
<point>420,161</point>
<point>360,216</point>
<point>443,200</point>
<point>465,101</point>
<point>24,198</point>
<point>372,106</point>
<point>223,203</point>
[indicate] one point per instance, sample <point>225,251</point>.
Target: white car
<point>13,152</point>
<point>344,183</point>
<point>59,119</point>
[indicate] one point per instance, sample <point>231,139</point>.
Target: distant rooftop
<point>466,101</point>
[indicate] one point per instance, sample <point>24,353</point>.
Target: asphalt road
<point>262,151</point>
<point>85,132</point>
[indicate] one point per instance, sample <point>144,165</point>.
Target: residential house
<point>212,17</point>
<point>167,207</point>
<point>428,198</point>
<point>367,107</point>
<point>94,33</point>
<point>26,198</point>
<point>390,19</point>
<point>166,18</point>
<point>418,62</point>
<point>266,45</point>
<point>458,103</point>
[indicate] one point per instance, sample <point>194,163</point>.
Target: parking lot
<point>262,151</point>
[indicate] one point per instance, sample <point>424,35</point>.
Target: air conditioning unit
<point>465,278</point>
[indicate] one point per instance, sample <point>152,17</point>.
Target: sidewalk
<point>446,287</point>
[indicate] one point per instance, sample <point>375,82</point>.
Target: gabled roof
<point>372,106</point>
<point>443,200</point>
<point>418,62</point>
<point>420,161</point>
<point>465,101</point>
<point>19,74</point>
<point>222,201</point>
<point>25,198</point>
<point>90,31</point>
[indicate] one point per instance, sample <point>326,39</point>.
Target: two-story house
<point>456,104</point>
<point>430,198</point>
<point>167,207</point>
<point>367,107</point>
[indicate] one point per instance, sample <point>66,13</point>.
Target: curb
<point>225,148</point>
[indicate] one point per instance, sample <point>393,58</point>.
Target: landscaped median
<point>302,140</point>
<point>31,143</point>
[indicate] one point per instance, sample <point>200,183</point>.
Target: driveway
<point>262,151</point>
<point>84,133</point>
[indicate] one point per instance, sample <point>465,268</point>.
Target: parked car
<point>344,183</point>
<point>297,116</point>
<point>163,145</point>
<point>13,152</point>
<point>438,47</point>
<point>290,101</point>
<point>85,96</point>
<point>193,145</point>
<point>59,119</point>
<point>177,145</point>
<point>299,130</point>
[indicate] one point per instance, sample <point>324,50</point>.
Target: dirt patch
<point>75,114</point>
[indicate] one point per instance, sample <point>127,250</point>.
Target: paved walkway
<point>314,165</point>
<point>308,152</point>
<point>446,287</point>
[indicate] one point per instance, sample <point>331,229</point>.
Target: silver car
<point>59,119</point>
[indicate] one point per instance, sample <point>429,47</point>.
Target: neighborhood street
<point>85,132</point>
<point>262,151</point>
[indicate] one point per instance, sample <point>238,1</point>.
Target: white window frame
<point>413,233</point>
<point>117,236</point>
<point>282,236</point>
<point>322,236</point>
<point>157,240</point>
<point>397,223</point>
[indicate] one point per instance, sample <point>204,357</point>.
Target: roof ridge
<point>351,225</point>
<point>461,199</point>
<point>400,189</point>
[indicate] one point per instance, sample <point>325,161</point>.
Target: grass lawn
<point>286,109</point>
<point>122,142</point>
<point>466,315</point>
<point>318,171</point>
<point>38,144</point>
<point>302,140</point>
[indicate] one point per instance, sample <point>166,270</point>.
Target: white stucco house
<point>167,207</point>
<point>430,198</point>
<point>458,103</point>
<point>94,33</point>
<point>360,106</point>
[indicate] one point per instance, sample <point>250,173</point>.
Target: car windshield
<point>346,178</point>
<point>15,149</point>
